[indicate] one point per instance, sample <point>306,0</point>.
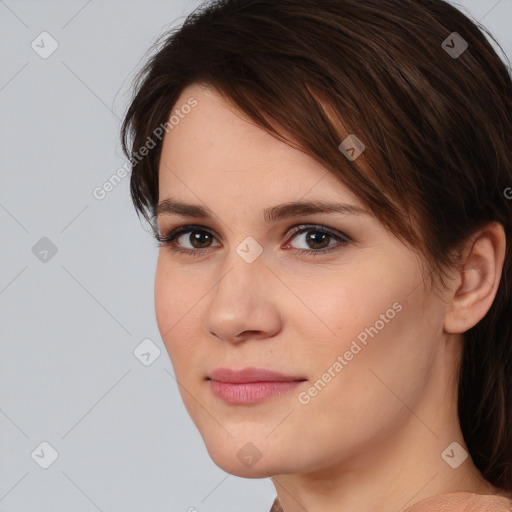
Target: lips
<point>247,375</point>
<point>250,385</point>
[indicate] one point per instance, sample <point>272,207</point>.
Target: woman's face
<point>355,327</point>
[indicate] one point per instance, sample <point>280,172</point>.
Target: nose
<point>244,303</point>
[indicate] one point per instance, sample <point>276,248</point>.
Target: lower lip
<point>250,392</point>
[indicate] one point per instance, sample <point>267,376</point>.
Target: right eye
<point>198,238</point>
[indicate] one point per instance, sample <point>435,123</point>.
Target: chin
<point>246,460</point>
<point>260,469</point>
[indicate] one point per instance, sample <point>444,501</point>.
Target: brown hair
<point>437,127</point>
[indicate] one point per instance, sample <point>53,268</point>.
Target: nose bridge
<point>244,268</point>
<point>241,300</point>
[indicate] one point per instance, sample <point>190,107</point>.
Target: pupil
<point>323,236</point>
<point>197,238</point>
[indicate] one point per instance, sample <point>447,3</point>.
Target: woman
<point>329,181</point>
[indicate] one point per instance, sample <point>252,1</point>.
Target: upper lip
<point>250,375</point>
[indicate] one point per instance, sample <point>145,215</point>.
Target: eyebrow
<point>272,214</point>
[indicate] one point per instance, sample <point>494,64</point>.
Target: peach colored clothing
<point>456,502</point>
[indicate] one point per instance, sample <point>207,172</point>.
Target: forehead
<point>215,148</point>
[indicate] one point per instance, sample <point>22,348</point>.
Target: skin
<point>374,435</point>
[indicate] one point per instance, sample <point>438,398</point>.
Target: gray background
<point>70,323</point>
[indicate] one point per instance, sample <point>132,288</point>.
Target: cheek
<point>373,319</point>
<point>363,394</point>
<point>165,300</point>
<point>347,306</point>
<point>176,306</point>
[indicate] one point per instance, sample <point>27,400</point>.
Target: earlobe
<point>477,283</point>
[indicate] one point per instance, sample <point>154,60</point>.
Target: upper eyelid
<point>180,230</point>
<point>318,227</point>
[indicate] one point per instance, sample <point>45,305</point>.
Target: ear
<point>477,283</point>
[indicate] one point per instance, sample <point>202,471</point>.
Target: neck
<point>387,481</point>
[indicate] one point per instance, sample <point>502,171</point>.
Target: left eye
<point>316,237</point>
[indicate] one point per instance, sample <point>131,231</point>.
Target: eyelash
<point>168,239</point>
